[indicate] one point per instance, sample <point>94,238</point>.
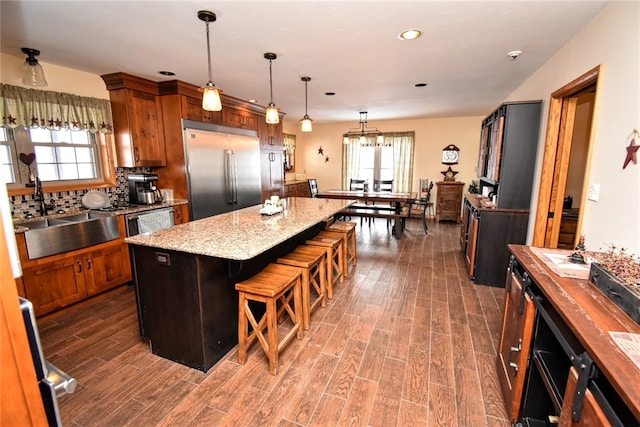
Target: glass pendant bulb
<point>32,72</point>
<point>305,122</point>
<point>272,116</point>
<point>210,94</point>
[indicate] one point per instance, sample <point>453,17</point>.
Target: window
<point>376,163</point>
<point>64,139</point>
<point>391,160</point>
<point>60,155</point>
<point>7,156</point>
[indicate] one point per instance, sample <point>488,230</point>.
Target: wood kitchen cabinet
<point>192,110</point>
<point>507,157</point>
<point>137,121</point>
<point>239,118</point>
<point>272,173</point>
<point>297,189</point>
<point>484,238</point>
<point>180,214</point>
<point>448,200</point>
<point>515,342</point>
<point>57,281</point>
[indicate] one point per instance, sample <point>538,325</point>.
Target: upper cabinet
<point>137,120</point>
<point>508,146</point>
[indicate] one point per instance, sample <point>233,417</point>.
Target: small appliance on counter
<point>142,189</point>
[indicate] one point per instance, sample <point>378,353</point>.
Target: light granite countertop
<point>242,234</point>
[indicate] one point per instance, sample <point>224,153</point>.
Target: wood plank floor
<point>407,340</point>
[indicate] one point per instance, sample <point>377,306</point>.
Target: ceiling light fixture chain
<point>305,122</point>
<point>210,96</point>
<point>272,116</point>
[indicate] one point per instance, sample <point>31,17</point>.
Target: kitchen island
<point>185,275</point>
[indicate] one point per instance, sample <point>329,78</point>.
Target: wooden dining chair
<point>383,185</point>
<point>420,208</point>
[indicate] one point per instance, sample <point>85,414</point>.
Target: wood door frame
<point>556,160</point>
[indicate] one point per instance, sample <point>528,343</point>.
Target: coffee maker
<point>142,189</point>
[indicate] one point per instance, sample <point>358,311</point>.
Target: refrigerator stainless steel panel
<point>223,168</point>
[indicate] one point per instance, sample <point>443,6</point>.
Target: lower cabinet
<point>297,189</point>
<point>557,364</point>
<point>272,172</point>
<point>448,200</point>
<point>66,279</point>
<point>180,214</point>
<point>515,342</point>
<point>57,281</point>
<point>484,239</point>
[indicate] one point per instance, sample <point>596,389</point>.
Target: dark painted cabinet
<point>507,158</point>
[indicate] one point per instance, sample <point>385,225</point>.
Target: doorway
<point>567,153</point>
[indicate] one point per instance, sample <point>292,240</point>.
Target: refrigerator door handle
<point>228,174</point>
<point>235,178</point>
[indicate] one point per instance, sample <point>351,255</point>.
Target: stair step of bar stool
<point>349,228</point>
<point>333,243</point>
<point>275,283</point>
<point>312,261</point>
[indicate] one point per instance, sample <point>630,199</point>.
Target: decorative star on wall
<point>632,149</point>
<point>320,151</point>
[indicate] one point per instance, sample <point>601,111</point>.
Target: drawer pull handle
<point>512,350</point>
<point>515,367</point>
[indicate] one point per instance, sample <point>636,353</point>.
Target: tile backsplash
<point>23,206</point>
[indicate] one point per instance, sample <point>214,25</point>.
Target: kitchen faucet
<point>39,197</point>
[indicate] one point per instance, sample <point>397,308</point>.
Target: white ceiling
<point>347,47</point>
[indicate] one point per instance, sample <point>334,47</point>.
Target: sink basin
<point>42,223</point>
<point>51,236</point>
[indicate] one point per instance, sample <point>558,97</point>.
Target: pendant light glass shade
<point>305,122</point>
<point>210,94</point>
<point>272,116</point>
<point>32,72</point>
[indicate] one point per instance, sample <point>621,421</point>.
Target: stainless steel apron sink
<point>51,236</point>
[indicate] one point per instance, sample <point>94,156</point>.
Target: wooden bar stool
<point>349,229</point>
<point>274,283</point>
<point>312,261</point>
<point>334,245</point>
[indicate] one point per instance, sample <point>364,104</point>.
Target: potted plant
<point>617,274</point>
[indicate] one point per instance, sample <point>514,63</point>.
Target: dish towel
<point>154,221</point>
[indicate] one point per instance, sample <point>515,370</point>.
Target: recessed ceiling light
<point>167,73</point>
<point>253,101</point>
<point>409,34</point>
<point>329,93</point>
<point>420,84</point>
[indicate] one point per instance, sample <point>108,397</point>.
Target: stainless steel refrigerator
<point>223,168</point>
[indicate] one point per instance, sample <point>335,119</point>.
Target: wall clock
<point>450,155</point>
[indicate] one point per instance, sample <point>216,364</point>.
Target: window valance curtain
<point>53,110</point>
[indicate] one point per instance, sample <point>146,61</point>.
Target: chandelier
<point>363,134</point>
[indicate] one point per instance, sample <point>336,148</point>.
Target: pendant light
<point>32,72</point>
<point>210,94</point>
<point>305,122</point>
<point>272,115</point>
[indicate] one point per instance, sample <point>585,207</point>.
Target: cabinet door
<point>192,110</point>
<point>106,268</point>
<point>270,135</point>
<point>472,244</point>
<point>55,284</point>
<point>239,118</point>
<point>180,214</point>
<point>146,129</point>
<point>592,414</point>
<point>515,342</point>
<point>272,172</point>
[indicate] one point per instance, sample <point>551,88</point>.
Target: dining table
<point>396,200</point>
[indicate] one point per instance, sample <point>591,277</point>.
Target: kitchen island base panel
<point>188,304</point>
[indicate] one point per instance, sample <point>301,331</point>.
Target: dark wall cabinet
<point>507,158</point>
<point>506,162</point>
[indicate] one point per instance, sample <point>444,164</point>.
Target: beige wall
<point>59,79</point>
<point>432,135</point>
<point>613,40</point>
